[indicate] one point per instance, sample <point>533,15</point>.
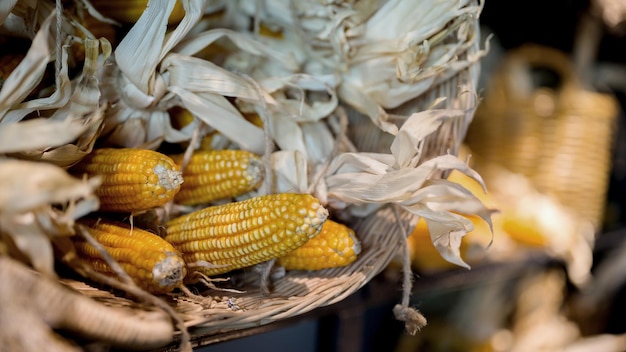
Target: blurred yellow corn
<point>149,260</point>
<point>236,235</point>
<point>525,229</point>
<point>129,11</point>
<point>336,245</point>
<point>133,180</point>
<point>218,174</point>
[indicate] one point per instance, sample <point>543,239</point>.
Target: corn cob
<point>254,118</point>
<point>206,143</point>
<point>133,180</point>
<point>236,235</point>
<point>129,11</point>
<point>336,245</point>
<point>218,174</point>
<point>153,263</point>
<point>271,32</point>
<point>180,117</point>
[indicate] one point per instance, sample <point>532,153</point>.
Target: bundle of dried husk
<point>40,136</point>
<point>314,75</point>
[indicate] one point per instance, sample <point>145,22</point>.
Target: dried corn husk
<point>71,116</point>
<point>296,94</point>
<point>27,219</point>
<point>40,201</point>
<point>384,54</point>
<point>364,181</point>
<point>5,9</point>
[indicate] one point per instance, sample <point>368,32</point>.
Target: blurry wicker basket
<point>298,292</point>
<point>559,135</point>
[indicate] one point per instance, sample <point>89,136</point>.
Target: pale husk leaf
<point>27,75</point>
<point>39,133</point>
<point>289,173</point>
<point>78,117</point>
<point>134,83</point>
<point>5,9</point>
<point>362,182</point>
<point>385,53</point>
<point>27,192</point>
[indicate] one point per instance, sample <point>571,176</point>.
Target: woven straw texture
<point>559,137</point>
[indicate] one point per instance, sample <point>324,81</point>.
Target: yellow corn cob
<point>133,180</point>
<point>254,118</point>
<point>236,235</point>
<point>267,31</point>
<point>129,11</point>
<point>336,245</point>
<point>218,174</point>
<point>180,117</point>
<point>153,263</point>
<point>207,141</point>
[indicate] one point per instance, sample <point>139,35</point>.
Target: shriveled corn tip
<point>236,235</point>
<point>218,174</point>
<point>335,246</point>
<point>132,179</point>
<point>153,263</point>
<point>424,255</point>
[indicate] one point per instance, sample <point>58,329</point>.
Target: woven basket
<point>559,136</point>
<point>298,292</point>
<point>295,293</point>
<point>381,234</point>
